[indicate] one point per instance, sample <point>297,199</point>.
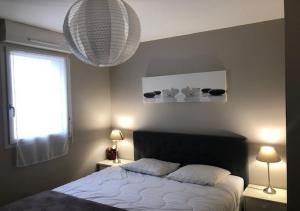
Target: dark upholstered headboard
<point>230,153</point>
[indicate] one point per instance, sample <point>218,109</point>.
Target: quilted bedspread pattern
<point>117,187</point>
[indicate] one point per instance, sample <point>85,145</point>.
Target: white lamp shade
<point>116,135</point>
<point>102,32</point>
<point>268,154</point>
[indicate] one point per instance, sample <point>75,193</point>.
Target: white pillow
<point>199,174</point>
<point>151,166</point>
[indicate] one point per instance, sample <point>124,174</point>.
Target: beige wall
<point>253,56</point>
<point>91,124</point>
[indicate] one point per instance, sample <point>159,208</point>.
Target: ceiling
<point>159,18</point>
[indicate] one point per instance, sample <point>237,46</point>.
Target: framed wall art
<point>191,87</point>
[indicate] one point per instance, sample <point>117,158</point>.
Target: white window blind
<point>38,105</point>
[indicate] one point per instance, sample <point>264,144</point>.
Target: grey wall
<point>292,21</point>
<point>253,56</point>
<point>91,125</point>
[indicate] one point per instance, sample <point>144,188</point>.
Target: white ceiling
<point>159,18</point>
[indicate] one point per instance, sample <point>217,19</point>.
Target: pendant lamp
<point>102,33</point>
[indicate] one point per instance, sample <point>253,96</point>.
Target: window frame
<point>7,92</point>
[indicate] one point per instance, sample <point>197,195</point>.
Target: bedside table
<point>256,200</point>
<point>107,163</point>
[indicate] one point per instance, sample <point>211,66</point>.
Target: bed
<point>126,190</point>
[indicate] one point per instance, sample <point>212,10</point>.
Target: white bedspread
<point>133,191</point>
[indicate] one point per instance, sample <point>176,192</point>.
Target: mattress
<point>117,187</point>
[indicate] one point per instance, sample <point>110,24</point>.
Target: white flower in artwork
<point>170,92</point>
<point>191,92</point>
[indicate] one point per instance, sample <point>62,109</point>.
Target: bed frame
<point>228,152</point>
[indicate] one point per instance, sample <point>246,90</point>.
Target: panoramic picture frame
<point>191,87</point>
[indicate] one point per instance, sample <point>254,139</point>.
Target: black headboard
<point>230,153</point>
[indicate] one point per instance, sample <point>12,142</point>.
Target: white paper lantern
<point>102,32</point>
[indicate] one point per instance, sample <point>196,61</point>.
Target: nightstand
<point>107,163</point>
<point>256,200</point>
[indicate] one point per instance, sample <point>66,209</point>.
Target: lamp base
<point>117,161</point>
<point>269,190</point>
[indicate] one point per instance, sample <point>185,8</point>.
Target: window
<point>37,86</point>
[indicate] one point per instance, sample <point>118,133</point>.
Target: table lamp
<point>269,155</point>
<point>116,136</point>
